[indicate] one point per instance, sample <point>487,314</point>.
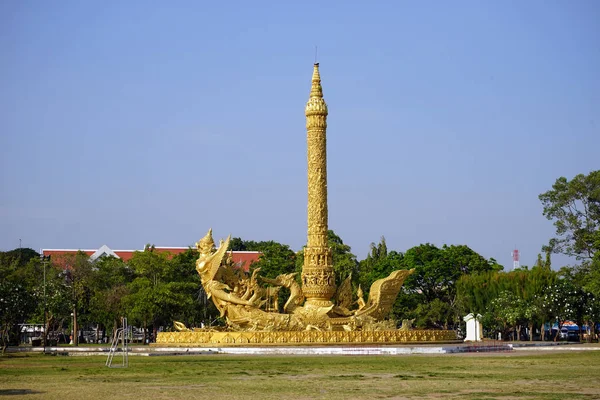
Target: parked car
<point>571,335</point>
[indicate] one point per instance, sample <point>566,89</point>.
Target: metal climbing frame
<point>121,336</point>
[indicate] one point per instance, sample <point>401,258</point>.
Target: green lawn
<point>553,375</point>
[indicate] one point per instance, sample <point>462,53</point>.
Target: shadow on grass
<point>355,376</point>
<point>17,392</point>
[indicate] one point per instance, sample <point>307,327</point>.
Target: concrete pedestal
<point>474,328</point>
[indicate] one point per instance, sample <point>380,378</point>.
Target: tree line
<point>153,289</point>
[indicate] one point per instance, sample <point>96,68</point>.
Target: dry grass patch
<point>505,376</point>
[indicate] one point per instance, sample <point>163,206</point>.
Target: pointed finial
<point>316,90</point>
<point>316,104</point>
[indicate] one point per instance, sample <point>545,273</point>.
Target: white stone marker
<point>474,328</point>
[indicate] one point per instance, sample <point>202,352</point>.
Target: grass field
<point>554,375</point>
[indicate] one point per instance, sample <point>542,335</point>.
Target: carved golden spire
<point>318,279</point>
<point>316,90</point>
<point>316,105</point>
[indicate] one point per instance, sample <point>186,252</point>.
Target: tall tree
<point>15,305</point>
<point>379,263</point>
<point>565,301</point>
<point>575,208</point>
<point>437,272</point>
<point>111,276</point>
<point>238,244</point>
<point>17,257</point>
<point>371,267</point>
<point>477,293</point>
<point>158,294</point>
<point>78,274</point>
<point>275,259</point>
<point>20,271</point>
<point>512,311</point>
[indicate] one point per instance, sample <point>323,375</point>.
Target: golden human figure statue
<point>207,265</point>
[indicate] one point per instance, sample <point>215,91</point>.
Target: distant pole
<point>45,309</point>
<point>75,330</point>
<point>44,261</point>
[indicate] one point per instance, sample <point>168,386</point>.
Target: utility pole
<point>75,331</point>
<point>71,278</point>
<point>44,262</point>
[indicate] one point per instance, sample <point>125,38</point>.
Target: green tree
<point>564,301</point>
<point>512,311</point>
<point>156,296</point>
<point>53,295</point>
<point>575,208</point>
<point>434,314</point>
<point>15,304</point>
<point>58,305</point>
<point>20,273</point>
<point>476,292</point>
<point>238,244</point>
<point>592,282</point>
<point>17,258</point>
<point>437,272</point>
<point>110,279</point>
<point>275,259</point>
<point>591,313</point>
<point>544,263</point>
<point>378,264</point>
<point>78,274</point>
<point>538,280</point>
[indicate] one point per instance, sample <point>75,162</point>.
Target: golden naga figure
<point>243,299</point>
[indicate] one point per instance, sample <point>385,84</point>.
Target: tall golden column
<point>318,279</point>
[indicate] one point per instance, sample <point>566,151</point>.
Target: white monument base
<point>474,328</point>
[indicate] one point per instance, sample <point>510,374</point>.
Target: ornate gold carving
<point>301,337</point>
<point>383,293</point>
<point>407,324</point>
<point>318,279</point>
<point>248,306</point>
<point>309,315</point>
<point>180,326</point>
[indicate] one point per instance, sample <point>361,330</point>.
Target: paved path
<point>481,347</point>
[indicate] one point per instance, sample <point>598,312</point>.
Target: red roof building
<point>242,259</point>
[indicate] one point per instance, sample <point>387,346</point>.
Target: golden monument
<point>317,311</point>
<point>318,279</point>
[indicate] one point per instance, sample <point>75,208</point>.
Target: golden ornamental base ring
<point>295,338</point>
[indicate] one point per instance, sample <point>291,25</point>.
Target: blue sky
<point>126,123</point>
